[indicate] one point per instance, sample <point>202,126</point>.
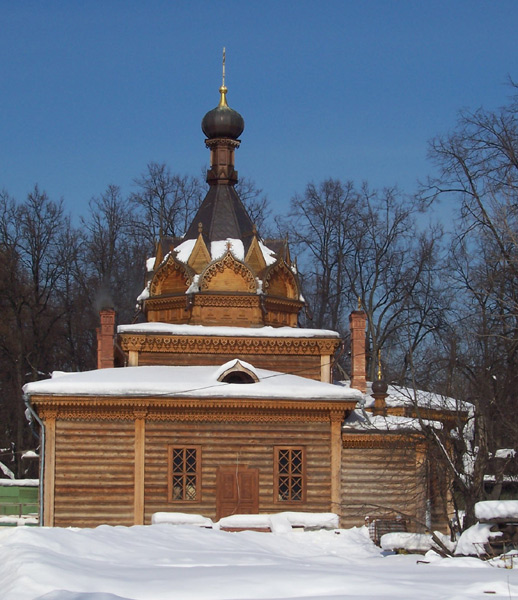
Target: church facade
<point>218,403</point>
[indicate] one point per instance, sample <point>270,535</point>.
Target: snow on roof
<point>404,396</point>
<point>362,420</point>
<point>505,453</point>
<point>150,263</point>
<point>204,330</point>
<point>192,382</point>
<point>6,470</point>
<point>30,454</point>
<point>234,363</point>
<point>19,482</point>
<point>184,250</point>
<point>497,509</point>
<point>219,248</point>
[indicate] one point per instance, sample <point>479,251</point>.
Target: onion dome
<point>223,121</point>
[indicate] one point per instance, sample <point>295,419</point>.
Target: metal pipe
<point>30,408</point>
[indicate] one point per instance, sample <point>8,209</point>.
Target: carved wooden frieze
<point>229,301</point>
<point>219,345</point>
<point>87,408</point>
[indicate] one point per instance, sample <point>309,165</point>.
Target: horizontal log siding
<point>376,481</point>
<point>94,473</point>
<point>305,366</point>
<point>231,445</point>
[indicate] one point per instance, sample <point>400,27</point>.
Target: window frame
<point>171,448</point>
<point>277,475</point>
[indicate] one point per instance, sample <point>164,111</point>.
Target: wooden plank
<point>138,506</point>
<point>50,472</point>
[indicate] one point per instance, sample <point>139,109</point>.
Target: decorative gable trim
<point>254,257</point>
<point>280,281</point>
<point>168,271</point>
<point>228,274</point>
<point>200,255</point>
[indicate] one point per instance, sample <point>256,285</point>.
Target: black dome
<point>379,386</point>
<point>223,121</point>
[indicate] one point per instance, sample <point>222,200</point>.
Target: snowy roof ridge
<point>362,420</point>
<point>213,330</point>
<point>188,382</point>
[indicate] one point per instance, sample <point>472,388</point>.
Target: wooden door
<point>237,491</point>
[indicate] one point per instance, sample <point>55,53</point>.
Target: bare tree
<point>366,245</point>
<point>478,169</point>
<point>256,204</point>
<point>318,226</point>
<point>165,203</point>
<point>112,261</point>
<point>37,244</point>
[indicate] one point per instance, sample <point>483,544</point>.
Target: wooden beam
<point>325,368</point>
<point>336,461</point>
<point>49,476</point>
<point>140,447</point>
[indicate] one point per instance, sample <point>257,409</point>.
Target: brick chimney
<point>357,324</point>
<point>105,335</point>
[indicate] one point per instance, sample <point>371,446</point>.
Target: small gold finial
<point>200,227</point>
<point>254,230</point>
<point>223,89</point>
<point>359,303</point>
<point>379,365</point>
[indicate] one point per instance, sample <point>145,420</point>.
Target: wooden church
<point>219,403</point>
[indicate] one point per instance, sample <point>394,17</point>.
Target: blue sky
<point>92,91</point>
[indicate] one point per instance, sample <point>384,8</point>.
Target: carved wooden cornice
<point>189,409</point>
<point>217,345</point>
<point>227,300</point>
<point>285,304</point>
<point>170,301</point>
<point>211,143</point>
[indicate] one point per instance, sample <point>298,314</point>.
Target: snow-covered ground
<point>166,562</point>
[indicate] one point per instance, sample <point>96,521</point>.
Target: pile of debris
<point>496,532</point>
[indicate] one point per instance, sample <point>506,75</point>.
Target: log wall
<point>304,366</point>
<point>231,445</point>
<point>380,481</point>
<point>94,473</point>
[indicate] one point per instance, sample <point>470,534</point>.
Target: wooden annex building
<point>218,403</point>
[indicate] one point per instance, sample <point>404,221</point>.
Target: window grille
<point>184,473</point>
<point>290,475</point>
